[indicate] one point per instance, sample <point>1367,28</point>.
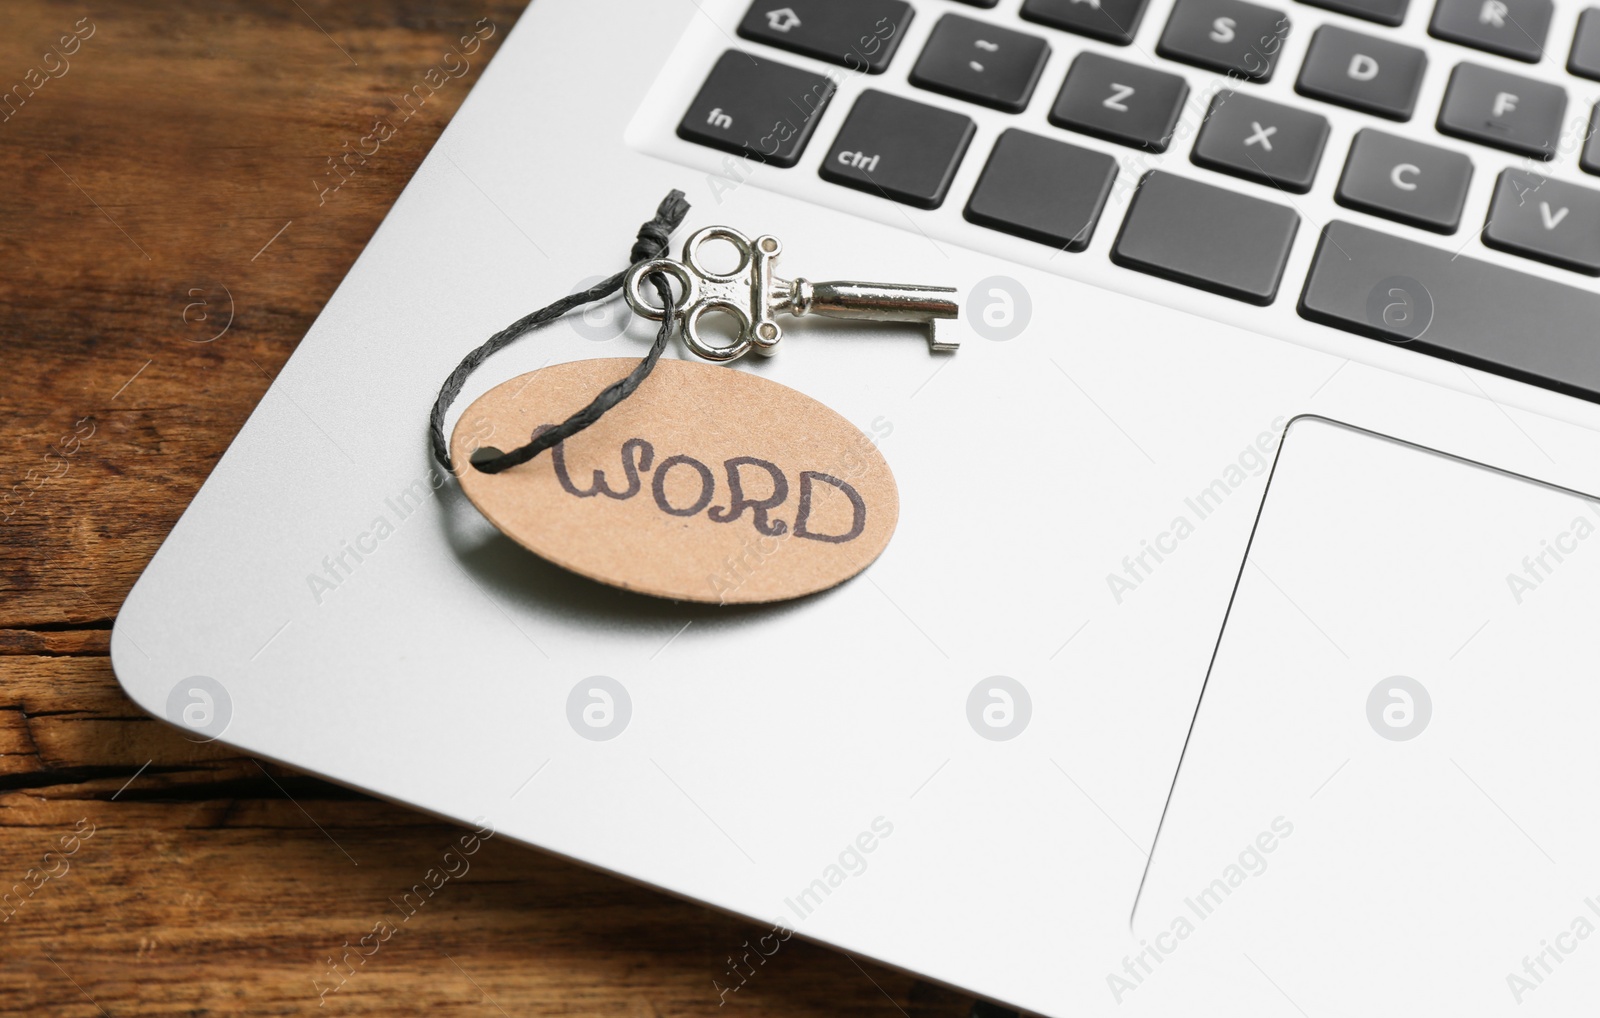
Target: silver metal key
<point>755,296</point>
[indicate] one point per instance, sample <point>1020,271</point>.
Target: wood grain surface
<point>160,179</point>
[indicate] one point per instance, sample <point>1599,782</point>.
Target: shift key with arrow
<point>859,34</point>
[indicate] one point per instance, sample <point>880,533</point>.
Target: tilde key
<point>753,295</point>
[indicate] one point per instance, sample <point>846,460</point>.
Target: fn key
<point>756,107</point>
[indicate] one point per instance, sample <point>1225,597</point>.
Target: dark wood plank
<point>168,160</point>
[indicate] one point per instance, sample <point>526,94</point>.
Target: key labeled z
<point>1115,100</point>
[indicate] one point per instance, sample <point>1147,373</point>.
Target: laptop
<point>1233,654</point>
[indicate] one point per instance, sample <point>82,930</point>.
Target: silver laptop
<point>1115,725</point>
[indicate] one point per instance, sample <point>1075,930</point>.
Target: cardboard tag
<point>707,484</point>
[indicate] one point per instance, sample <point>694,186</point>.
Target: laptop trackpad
<point>1388,802</point>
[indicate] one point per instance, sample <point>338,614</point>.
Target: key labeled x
<point>1284,154</point>
<point>1261,135</point>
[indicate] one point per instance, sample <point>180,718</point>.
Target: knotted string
<point>651,243</point>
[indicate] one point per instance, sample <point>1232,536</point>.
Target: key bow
<point>754,295</point>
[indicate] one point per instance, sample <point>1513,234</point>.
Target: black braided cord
<point>651,243</point>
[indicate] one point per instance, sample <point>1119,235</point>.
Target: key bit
<point>754,296</point>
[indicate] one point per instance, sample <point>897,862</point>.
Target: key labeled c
<point>1398,175</point>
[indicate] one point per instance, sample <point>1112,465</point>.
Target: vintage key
<point>753,295</point>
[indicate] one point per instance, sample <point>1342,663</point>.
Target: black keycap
<point>1127,103</point>
<point>1456,307</point>
<point>1550,220</point>
<point>975,60</point>
<point>1589,158</point>
<point>1227,36</point>
<point>1112,21</point>
<point>859,34</point>
<point>1206,237</point>
<point>1043,190</point>
<point>1261,141</point>
<point>899,149</point>
<point>1363,73</point>
<point>1405,180</point>
<point>1504,110</point>
<point>1585,57</point>
<point>757,107</point>
<point>1384,12</point>
<point>1511,28</point>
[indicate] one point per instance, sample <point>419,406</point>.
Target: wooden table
<point>163,179</point>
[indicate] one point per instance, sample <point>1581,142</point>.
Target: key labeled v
<point>1552,220</point>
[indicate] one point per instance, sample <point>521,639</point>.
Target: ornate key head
<point>753,295</point>
<point>750,293</point>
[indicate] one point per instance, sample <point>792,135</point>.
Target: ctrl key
<point>899,149</point>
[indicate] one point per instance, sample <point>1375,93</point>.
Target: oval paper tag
<point>707,484</point>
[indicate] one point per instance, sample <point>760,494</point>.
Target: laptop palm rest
<point>1387,804</point>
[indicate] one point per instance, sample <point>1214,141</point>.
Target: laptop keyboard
<point>1529,325</point>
